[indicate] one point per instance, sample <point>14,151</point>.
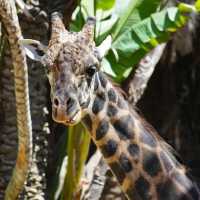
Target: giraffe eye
<point>91,70</point>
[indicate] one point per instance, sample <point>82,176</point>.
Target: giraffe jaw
<point>74,120</point>
<point>61,117</point>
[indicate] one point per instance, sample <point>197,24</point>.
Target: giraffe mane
<point>169,150</point>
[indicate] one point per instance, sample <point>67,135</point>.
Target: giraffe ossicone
<point>141,161</point>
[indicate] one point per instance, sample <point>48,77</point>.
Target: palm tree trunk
<point>24,126</point>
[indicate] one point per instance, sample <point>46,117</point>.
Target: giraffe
<point>142,162</point>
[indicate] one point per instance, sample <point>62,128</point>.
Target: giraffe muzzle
<point>66,112</point>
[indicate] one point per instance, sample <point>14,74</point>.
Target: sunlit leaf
<point>132,12</point>
<point>104,4</point>
<point>197,5</point>
<point>103,27</point>
<point>106,67</point>
<point>87,7</point>
<point>140,38</point>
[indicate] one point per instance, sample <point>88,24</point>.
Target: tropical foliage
<point>135,26</point>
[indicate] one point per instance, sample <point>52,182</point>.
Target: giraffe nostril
<point>56,102</point>
<point>70,102</point>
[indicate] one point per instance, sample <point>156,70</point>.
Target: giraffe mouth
<point>60,116</point>
<point>74,119</point>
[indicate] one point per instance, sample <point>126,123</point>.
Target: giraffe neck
<point>140,160</point>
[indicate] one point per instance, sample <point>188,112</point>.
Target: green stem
<point>69,179</point>
<point>84,148</point>
<point>77,151</point>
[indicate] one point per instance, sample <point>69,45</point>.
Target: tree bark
<point>10,21</point>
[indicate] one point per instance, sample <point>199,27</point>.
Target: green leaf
<point>102,10</point>
<point>197,5</point>
<point>187,8</point>
<point>140,38</point>
<point>103,14</point>
<point>82,148</point>
<point>88,8</point>
<point>77,151</point>
<point>106,67</point>
<point>103,28</point>
<point>105,19</point>
<point>77,20</point>
<point>104,4</point>
<point>70,182</point>
<point>132,12</point>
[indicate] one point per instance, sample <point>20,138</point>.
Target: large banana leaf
<point>133,12</point>
<point>113,16</point>
<point>136,27</point>
<point>130,46</point>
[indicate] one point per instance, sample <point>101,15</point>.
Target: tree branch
<point>95,171</point>
<point>10,20</point>
<point>137,82</point>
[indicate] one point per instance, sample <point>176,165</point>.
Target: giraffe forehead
<point>76,50</point>
<point>76,56</point>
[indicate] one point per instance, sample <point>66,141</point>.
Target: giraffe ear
<point>88,30</point>
<point>104,47</point>
<point>33,49</point>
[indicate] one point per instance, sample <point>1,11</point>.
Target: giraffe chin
<point>74,120</point>
<point>67,120</point>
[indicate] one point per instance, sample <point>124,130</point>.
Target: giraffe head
<point>71,60</point>
<point>71,71</point>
